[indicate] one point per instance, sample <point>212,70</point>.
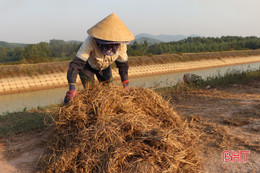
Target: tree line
<point>196,44</point>
<point>57,50</point>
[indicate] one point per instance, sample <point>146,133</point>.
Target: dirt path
<point>228,118</point>
<point>20,153</point>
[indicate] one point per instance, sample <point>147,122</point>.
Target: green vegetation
<point>59,50</point>
<point>196,44</point>
<point>233,77</point>
<point>55,50</point>
<point>17,122</point>
<point>11,45</point>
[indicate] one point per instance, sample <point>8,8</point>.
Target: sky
<point>34,21</point>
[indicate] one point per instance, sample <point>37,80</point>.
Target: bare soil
<point>228,118</point>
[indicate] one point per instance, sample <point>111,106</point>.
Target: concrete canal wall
<point>46,81</point>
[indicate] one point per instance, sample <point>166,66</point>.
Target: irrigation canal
<point>34,99</point>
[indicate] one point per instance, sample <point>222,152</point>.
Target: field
<point>230,119</point>
<point>227,116</point>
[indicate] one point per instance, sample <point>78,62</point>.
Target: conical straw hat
<point>111,28</point>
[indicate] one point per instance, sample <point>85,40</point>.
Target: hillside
<point>150,41</point>
<point>11,45</point>
<point>163,37</point>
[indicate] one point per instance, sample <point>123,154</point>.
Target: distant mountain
<point>163,37</point>
<point>11,45</point>
<point>149,40</point>
<point>140,38</point>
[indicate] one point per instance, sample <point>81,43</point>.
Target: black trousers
<point>87,75</point>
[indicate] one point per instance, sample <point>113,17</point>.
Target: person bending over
<point>105,44</point>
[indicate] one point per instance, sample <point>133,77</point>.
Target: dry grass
<point>170,58</point>
<point>106,129</point>
<point>33,69</point>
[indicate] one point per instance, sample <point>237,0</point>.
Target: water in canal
<point>34,99</point>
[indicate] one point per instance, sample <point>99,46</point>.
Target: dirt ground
<point>228,119</point>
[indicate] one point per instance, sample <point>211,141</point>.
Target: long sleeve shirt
<point>89,52</point>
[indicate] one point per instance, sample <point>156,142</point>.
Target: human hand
<point>126,85</point>
<point>69,95</point>
<point>127,88</point>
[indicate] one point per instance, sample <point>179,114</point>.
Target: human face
<point>108,49</point>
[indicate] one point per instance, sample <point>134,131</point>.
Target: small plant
<point>180,53</point>
<point>150,55</point>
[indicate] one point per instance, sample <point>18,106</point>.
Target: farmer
<point>105,44</point>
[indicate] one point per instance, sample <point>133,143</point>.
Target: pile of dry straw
<point>106,129</point>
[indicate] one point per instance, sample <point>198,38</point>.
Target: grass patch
<point>17,122</point>
<point>233,77</point>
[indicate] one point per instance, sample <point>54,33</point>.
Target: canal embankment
<point>59,79</point>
